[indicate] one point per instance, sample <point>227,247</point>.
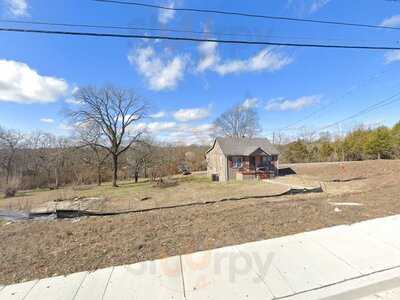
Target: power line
<point>193,39</point>
<point>128,28</point>
<point>387,101</point>
<point>251,15</point>
<point>47,23</point>
<point>349,91</point>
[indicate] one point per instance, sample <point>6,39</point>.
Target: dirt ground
<point>37,249</point>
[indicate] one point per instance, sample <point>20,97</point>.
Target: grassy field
<point>199,188</point>
<point>129,195</point>
<point>37,249</point>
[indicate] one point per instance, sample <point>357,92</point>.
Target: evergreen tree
<point>396,139</point>
<point>296,152</point>
<point>354,144</point>
<point>380,144</point>
<point>326,151</point>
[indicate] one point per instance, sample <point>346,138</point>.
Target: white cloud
<point>161,75</point>
<point>166,15</point>
<point>392,21</point>
<point>188,135</point>
<point>17,8</point>
<point>47,120</point>
<point>137,127</point>
<point>66,127</point>
<point>392,56</point>
<point>318,4</point>
<point>265,60</point>
<point>153,127</point>
<point>73,126</point>
<point>202,128</point>
<point>210,58</point>
<point>191,114</point>
<point>250,103</point>
<point>281,104</point>
<point>159,115</point>
<point>161,126</point>
<point>73,101</point>
<point>172,132</point>
<point>21,84</point>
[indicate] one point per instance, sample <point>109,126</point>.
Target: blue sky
<point>190,84</point>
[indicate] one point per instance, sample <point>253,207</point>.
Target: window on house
<point>237,162</point>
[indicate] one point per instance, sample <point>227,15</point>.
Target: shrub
<point>11,188</point>
<point>10,192</point>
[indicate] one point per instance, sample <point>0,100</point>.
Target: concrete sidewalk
<point>360,261</point>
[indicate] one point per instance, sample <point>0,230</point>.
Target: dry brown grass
<point>194,188</point>
<point>199,188</point>
<point>362,175</point>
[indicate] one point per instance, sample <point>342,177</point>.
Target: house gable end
<point>212,147</point>
<point>259,151</point>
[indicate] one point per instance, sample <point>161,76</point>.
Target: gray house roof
<point>244,146</point>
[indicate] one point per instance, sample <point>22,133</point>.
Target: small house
<point>242,159</point>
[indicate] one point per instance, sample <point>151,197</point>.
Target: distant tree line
<point>42,160</point>
<point>359,144</point>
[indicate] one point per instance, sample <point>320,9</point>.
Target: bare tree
<point>114,111</point>
<point>140,158</point>
<point>90,136</point>
<point>164,162</point>
<point>52,151</point>
<point>279,138</point>
<point>45,144</point>
<point>307,135</point>
<point>59,156</point>
<point>10,141</point>
<point>238,122</point>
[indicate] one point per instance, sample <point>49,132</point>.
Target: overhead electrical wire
<point>245,14</point>
<point>172,30</point>
<point>385,102</point>
<point>348,92</point>
<point>128,28</point>
<point>195,39</point>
